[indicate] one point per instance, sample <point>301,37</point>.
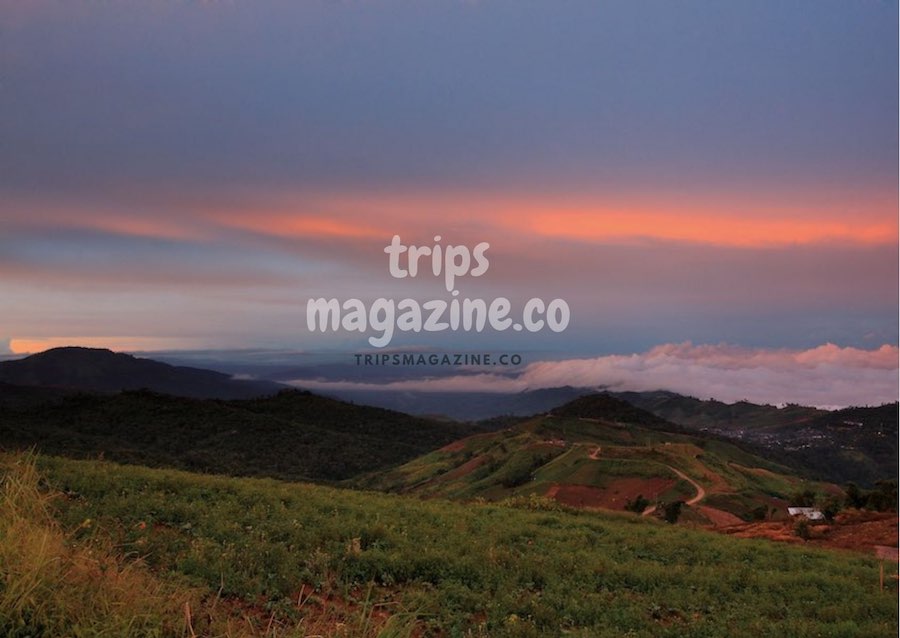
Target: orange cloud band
<point>722,221</point>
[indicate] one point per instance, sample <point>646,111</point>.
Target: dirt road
<point>699,496</point>
<point>701,493</point>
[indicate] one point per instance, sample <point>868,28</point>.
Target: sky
<point>185,175</point>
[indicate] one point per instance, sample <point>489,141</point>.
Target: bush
<point>854,496</point>
<point>882,499</point>
<point>671,511</point>
<point>759,513</point>
<point>802,529</point>
<point>830,508</point>
<point>638,505</point>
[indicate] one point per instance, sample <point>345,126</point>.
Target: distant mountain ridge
<point>465,406</point>
<point>856,444</point>
<point>101,370</point>
<point>717,415</point>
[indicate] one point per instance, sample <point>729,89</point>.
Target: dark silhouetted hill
<point>465,406</point>
<point>715,415</point>
<point>100,370</point>
<point>603,406</point>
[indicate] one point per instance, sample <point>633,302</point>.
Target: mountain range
<point>84,402</point>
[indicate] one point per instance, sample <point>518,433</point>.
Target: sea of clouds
<point>827,376</point>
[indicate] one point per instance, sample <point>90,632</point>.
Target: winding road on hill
<point>595,456</point>
<point>699,496</point>
<point>701,493</point>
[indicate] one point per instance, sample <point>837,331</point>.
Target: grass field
<point>92,548</point>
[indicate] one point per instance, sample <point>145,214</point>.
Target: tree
<point>671,511</point>
<point>854,496</point>
<point>759,513</point>
<point>830,508</point>
<point>884,497</point>
<point>638,505</point>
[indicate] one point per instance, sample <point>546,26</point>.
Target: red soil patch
<point>580,496</point>
<point>460,445</point>
<point>715,481</point>
<point>855,531</point>
<point>614,496</point>
<point>456,446</point>
<point>757,471</point>
<point>773,531</point>
<point>466,468</point>
<point>719,518</point>
<point>886,552</point>
<point>864,530</point>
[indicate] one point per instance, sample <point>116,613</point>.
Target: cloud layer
<point>826,376</point>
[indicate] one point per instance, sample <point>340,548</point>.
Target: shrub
<point>759,513</point>
<point>830,508</point>
<point>638,505</point>
<point>882,499</point>
<point>854,496</point>
<point>671,511</point>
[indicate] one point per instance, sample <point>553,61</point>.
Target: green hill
<point>253,557</point>
<point>602,461</point>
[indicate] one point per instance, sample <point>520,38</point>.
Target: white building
<point>809,513</point>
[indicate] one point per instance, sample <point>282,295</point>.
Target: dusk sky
<point>185,175</point>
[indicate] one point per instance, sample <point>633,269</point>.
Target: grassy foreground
<point>91,548</point>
